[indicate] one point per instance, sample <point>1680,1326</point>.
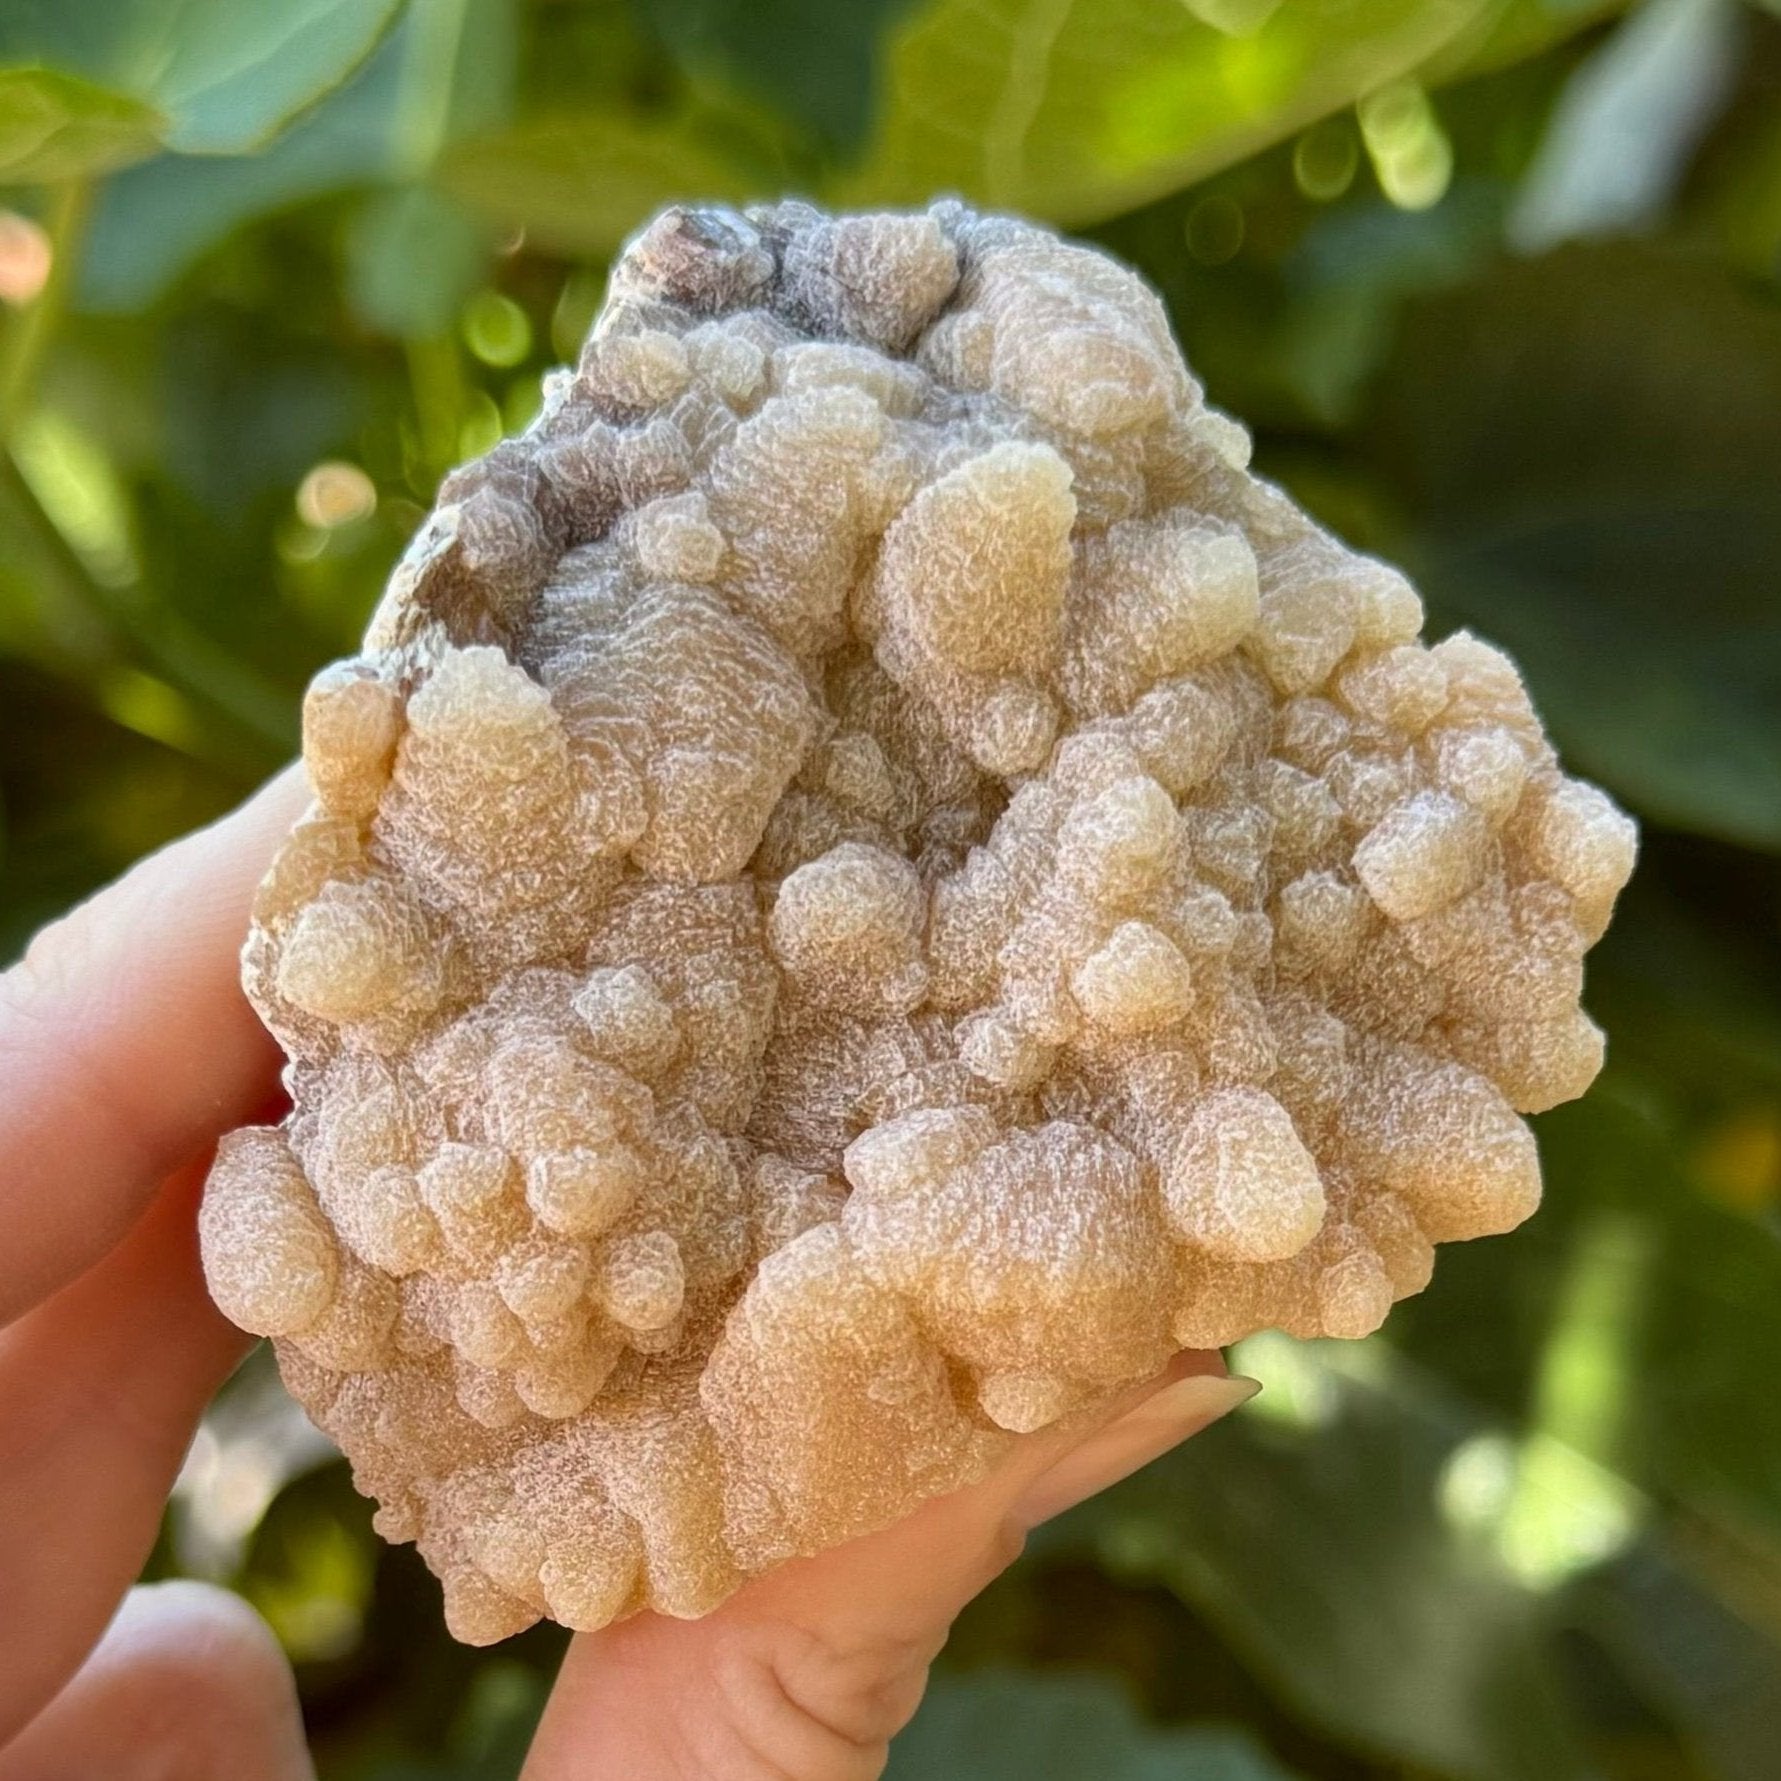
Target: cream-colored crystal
<point>869,882</point>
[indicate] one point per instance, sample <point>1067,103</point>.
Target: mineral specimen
<point>869,883</point>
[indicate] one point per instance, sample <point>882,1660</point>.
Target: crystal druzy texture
<point>869,883</point>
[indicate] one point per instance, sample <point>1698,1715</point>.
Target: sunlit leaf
<point>1413,1577</point>
<point>1311,1533</point>
<point>1696,1434</point>
<point>310,1569</point>
<point>1510,31</point>
<point>56,126</point>
<point>1692,1615</point>
<point>227,75</point>
<point>1059,1726</point>
<point>1077,109</point>
<point>1627,122</point>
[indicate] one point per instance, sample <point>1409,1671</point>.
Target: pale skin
<point>126,1047</point>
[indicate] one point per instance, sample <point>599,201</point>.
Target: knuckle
<point>49,1000</point>
<point>50,970</point>
<point>1006,1544</point>
<point>43,966</point>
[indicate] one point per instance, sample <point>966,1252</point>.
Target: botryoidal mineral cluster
<point>870,883</point>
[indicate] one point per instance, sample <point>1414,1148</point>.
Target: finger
<point>812,1668</point>
<point>126,1043</point>
<point>1163,1421</point>
<point>912,1578</point>
<point>1040,1454</point>
<point>188,1681</point>
<point>100,1389</point>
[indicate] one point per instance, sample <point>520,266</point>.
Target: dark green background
<point>1496,282</point>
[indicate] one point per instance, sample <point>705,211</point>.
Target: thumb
<point>807,1673</point>
<point>187,1681</point>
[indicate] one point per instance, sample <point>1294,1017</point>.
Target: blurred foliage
<point>1497,282</point>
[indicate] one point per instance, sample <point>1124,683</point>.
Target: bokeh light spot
<point>1325,158</point>
<point>1215,229</point>
<point>496,329</point>
<point>482,427</point>
<point>1739,1160</point>
<point>1297,1389</point>
<point>25,258</point>
<point>335,493</point>
<point>1410,152</point>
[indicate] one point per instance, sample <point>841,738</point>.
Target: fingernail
<point>1144,1433</point>
<point>1195,1401</point>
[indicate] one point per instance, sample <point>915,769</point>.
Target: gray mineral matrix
<point>869,883</point>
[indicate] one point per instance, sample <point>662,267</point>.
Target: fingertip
<point>182,1624</point>
<point>186,1679</point>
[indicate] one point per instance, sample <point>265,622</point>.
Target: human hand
<point>126,1047</point>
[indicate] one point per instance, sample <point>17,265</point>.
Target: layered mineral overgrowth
<point>869,883</point>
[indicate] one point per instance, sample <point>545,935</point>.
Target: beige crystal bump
<point>869,883</point>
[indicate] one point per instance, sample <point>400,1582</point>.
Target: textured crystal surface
<point>869,883</point>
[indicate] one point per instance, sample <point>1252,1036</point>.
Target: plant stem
<point>28,339</point>
<point>423,122</point>
<point>74,623</point>
<point>436,377</point>
<point>429,74</point>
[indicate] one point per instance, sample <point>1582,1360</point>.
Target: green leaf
<point>1687,993</point>
<point>1511,31</point>
<point>413,256</point>
<point>1059,1726</point>
<point>236,73</point>
<point>582,184</point>
<point>154,220</point>
<point>1075,110</point>
<point>1310,1532</point>
<point>227,75</point>
<point>1702,1429</point>
<point>816,60</point>
<point>56,126</point>
<point>1694,1658</point>
<point>1628,122</point>
<point>1587,445</point>
<point>1687,1613</point>
<point>1645,635</point>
